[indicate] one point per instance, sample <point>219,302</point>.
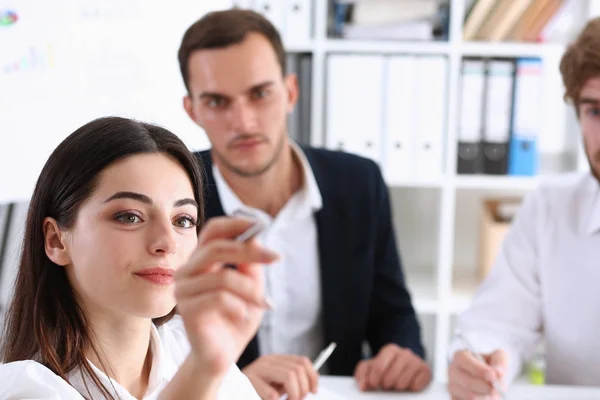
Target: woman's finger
<point>224,302</point>
<point>223,228</point>
<point>225,279</point>
<point>210,256</point>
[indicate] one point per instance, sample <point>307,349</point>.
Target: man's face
<point>239,96</point>
<point>589,119</point>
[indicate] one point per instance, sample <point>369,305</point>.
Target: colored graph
<point>8,17</point>
<point>33,58</point>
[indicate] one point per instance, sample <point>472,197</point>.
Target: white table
<point>346,388</point>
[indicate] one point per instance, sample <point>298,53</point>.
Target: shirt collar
<point>310,193</point>
<point>161,371</point>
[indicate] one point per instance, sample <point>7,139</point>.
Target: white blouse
<point>169,345</point>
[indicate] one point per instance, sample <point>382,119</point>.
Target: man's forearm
<point>191,381</point>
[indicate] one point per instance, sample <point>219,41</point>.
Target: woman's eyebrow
<point>186,201</point>
<point>147,200</point>
<point>130,195</point>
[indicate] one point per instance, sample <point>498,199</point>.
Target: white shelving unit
<point>440,285</point>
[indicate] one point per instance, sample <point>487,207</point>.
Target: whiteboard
<point>66,62</point>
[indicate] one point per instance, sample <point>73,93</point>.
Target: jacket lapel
<point>328,232</point>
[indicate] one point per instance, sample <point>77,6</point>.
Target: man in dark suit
<point>327,213</point>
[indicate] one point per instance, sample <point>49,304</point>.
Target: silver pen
<point>248,234</point>
<point>495,383</point>
<point>323,356</point>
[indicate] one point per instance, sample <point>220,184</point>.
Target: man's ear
<point>188,106</point>
<point>54,243</point>
<point>293,90</point>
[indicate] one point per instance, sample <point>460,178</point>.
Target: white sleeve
<point>175,340</point>
<point>235,384</point>
<point>506,311</point>
<point>31,380</point>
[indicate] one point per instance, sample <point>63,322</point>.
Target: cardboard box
<point>496,217</point>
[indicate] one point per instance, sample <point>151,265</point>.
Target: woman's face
<point>131,234</point>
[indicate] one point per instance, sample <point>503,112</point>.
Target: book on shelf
<point>512,20</point>
<point>500,116</point>
<point>390,19</point>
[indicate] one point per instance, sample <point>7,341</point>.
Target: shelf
<point>299,47</point>
<point>423,289</point>
<point>491,182</point>
<point>414,183</point>
<point>390,46</point>
<point>507,49</point>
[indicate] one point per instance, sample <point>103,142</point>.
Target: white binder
<point>298,21</point>
<point>244,4</point>
<point>498,102</point>
<point>430,106</point>
<point>399,121</point>
<point>354,104</point>
<point>471,101</point>
<point>273,10</point>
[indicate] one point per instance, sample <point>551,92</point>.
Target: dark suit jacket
<point>362,283</point>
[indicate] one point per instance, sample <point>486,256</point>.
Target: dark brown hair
<point>220,29</point>
<point>581,61</point>
<point>44,322</point>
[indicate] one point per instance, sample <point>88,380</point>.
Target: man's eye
<point>216,103</point>
<point>593,111</point>
<point>260,94</point>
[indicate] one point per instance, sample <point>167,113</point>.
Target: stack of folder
<point>292,18</point>
<point>390,108</point>
<point>500,116</point>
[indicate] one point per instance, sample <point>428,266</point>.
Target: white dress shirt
<point>169,346</point>
<point>294,326</point>
<point>545,284</point>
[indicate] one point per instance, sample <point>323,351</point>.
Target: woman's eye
<point>128,218</point>
<point>185,222</point>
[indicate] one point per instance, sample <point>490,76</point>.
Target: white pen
<point>319,361</point>
<point>495,383</point>
<point>323,356</point>
<point>248,234</point>
<point>251,232</point>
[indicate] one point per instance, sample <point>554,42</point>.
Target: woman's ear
<point>54,243</point>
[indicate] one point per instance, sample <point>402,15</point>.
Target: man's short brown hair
<point>220,29</point>
<point>581,61</point>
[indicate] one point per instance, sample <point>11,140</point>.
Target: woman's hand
<point>222,307</point>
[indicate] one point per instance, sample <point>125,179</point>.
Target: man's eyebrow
<point>218,95</point>
<point>589,100</point>
<point>204,95</point>
<point>261,85</point>
<point>130,195</point>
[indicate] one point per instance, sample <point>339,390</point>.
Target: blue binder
<point>523,147</point>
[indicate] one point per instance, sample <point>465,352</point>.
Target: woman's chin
<point>156,309</point>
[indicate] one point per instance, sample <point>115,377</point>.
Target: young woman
<point>111,246</point>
